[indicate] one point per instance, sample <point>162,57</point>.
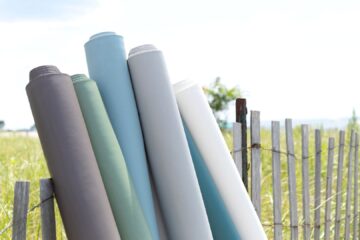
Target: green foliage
<point>219,97</point>
<point>353,123</point>
<point>2,124</point>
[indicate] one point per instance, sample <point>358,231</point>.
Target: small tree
<point>2,124</point>
<point>219,97</point>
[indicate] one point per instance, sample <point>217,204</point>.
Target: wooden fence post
<point>255,161</point>
<point>21,204</point>
<point>241,112</point>
<point>349,186</point>
<point>48,226</point>
<point>276,172</point>
<point>291,180</point>
<point>305,180</point>
<point>317,184</point>
<point>339,181</point>
<point>330,162</point>
<point>356,185</point>
<point>237,147</point>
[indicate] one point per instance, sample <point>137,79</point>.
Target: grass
<point>21,158</point>
<point>266,182</point>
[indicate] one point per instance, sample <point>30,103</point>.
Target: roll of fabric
<point>79,190</point>
<point>202,125</point>
<point>221,224</point>
<point>125,205</point>
<point>107,65</point>
<point>166,146</point>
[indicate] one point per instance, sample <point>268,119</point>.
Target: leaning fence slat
<point>255,161</point>
<point>305,180</point>
<point>339,183</point>
<point>317,184</point>
<point>48,226</point>
<point>356,185</point>
<point>349,187</point>
<point>330,162</point>
<point>237,146</point>
<point>276,172</point>
<point>21,204</point>
<point>241,112</point>
<point>291,179</point>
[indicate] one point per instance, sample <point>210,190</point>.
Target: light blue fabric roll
<point>107,65</point>
<point>222,227</point>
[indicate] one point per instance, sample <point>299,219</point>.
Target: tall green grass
<point>266,182</point>
<point>21,158</point>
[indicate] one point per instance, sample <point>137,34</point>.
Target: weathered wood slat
<point>330,162</point>
<point>349,186</point>
<point>305,180</point>
<point>241,112</point>
<point>21,204</point>
<point>356,190</point>
<point>317,184</point>
<point>339,181</point>
<point>48,225</point>
<point>237,146</point>
<point>255,162</point>
<point>276,174</point>
<point>291,180</point>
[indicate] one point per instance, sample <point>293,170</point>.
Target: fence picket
<point>291,180</point>
<point>255,161</point>
<point>21,204</point>
<point>317,184</point>
<point>237,147</point>
<point>356,185</point>
<point>241,112</point>
<point>305,180</point>
<point>339,181</point>
<point>348,188</point>
<point>276,172</point>
<point>330,162</point>
<point>48,226</point>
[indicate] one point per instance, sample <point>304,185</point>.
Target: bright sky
<point>298,59</point>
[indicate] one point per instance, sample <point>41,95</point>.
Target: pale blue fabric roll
<point>222,227</point>
<point>107,65</point>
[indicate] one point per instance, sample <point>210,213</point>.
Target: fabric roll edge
<point>182,90</point>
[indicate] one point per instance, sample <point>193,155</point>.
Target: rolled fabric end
<point>183,85</point>
<point>103,35</point>
<point>79,77</point>
<point>43,70</point>
<point>142,49</point>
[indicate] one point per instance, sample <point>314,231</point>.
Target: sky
<point>291,59</point>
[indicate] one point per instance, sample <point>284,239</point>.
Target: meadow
<point>21,158</point>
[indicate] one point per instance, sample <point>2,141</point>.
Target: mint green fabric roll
<point>125,205</point>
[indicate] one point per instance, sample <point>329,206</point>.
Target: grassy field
<point>21,159</point>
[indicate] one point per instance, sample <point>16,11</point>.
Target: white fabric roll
<point>198,116</point>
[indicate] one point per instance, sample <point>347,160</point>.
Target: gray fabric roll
<point>79,190</point>
<point>168,153</point>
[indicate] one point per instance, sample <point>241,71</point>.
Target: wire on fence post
<point>305,180</point>
<point>276,172</point>
<point>292,180</point>
<point>48,225</point>
<point>241,112</point>
<point>255,161</point>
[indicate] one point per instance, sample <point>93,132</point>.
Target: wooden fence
<point>319,220</point>
<point>309,209</point>
<point>21,211</point>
